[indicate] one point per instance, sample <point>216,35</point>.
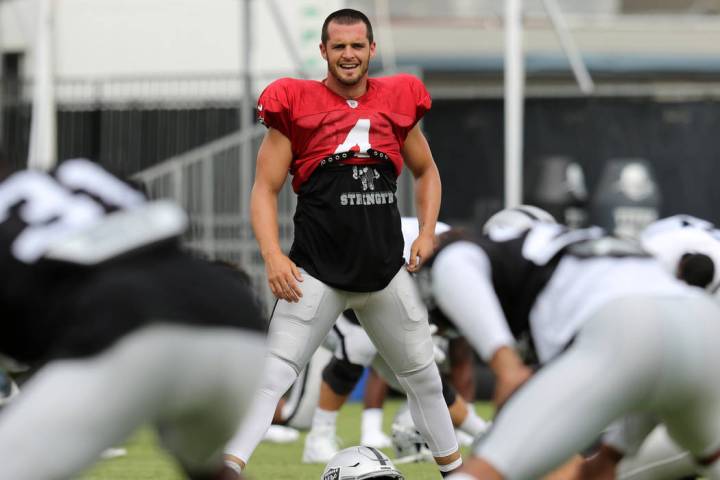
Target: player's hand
<point>510,374</point>
<point>508,382</point>
<point>283,275</point>
<point>601,466</point>
<point>422,248</point>
<point>570,470</point>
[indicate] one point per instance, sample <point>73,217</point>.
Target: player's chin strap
<point>340,157</point>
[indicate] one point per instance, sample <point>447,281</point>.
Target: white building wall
<point>111,39</point>
<point>146,37</point>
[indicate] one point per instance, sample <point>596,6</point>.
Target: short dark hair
<point>346,16</point>
<point>696,269</point>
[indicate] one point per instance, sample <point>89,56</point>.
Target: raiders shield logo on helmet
<point>332,474</point>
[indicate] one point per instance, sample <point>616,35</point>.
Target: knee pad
<point>423,382</point>
<point>278,377</point>
<point>341,375</point>
<point>449,393</point>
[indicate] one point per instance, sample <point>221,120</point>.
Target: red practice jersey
<point>320,123</point>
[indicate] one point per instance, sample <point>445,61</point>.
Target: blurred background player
<point>120,327</point>
<point>596,307</point>
<point>345,140</point>
<point>354,351</point>
<point>688,247</point>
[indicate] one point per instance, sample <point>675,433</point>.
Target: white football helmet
<point>518,218</point>
<point>409,444</point>
<point>359,463</point>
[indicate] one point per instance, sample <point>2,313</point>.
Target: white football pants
<point>396,321</point>
<point>635,354</point>
<point>659,458</point>
<point>191,383</point>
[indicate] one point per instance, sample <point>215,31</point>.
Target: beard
<point>337,72</point>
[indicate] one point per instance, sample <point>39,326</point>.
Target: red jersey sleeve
<point>274,107</point>
<point>423,102</point>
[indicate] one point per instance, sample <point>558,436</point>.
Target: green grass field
<point>146,461</point>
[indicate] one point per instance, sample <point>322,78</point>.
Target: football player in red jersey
<point>344,140</point>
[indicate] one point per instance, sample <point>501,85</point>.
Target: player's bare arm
<point>428,189</point>
<point>273,162</point>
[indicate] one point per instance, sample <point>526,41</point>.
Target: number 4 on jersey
<point>358,139</point>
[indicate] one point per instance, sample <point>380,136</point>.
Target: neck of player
<point>347,91</point>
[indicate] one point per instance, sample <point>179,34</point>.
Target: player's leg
<point>302,400</point>
<point>296,330</point>
<point>685,390</point>
<point>564,406</point>
<point>371,433</point>
<point>462,413</point>
<point>208,395</point>
<point>353,352</point>
<point>406,345</point>
<point>96,401</point>
<point>623,438</point>
<point>689,395</point>
<point>339,378</point>
<point>56,404</point>
<point>696,429</point>
<point>659,458</point>
<point>459,376</point>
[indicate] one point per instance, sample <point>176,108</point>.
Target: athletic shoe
<point>281,434</point>
<point>321,445</point>
<point>113,453</point>
<point>376,439</point>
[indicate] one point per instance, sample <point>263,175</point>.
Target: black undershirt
<point>348,231</point>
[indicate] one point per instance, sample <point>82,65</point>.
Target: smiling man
<point>345,140</point>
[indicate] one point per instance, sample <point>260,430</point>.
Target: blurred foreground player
<point>634,448</point>
<point>614,332</point>
<point>121,328</point>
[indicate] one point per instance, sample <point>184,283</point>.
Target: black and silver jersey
<point>522,266</point>
<point>86,259</point>
<point>38,211</point>
<point>521,263</point>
